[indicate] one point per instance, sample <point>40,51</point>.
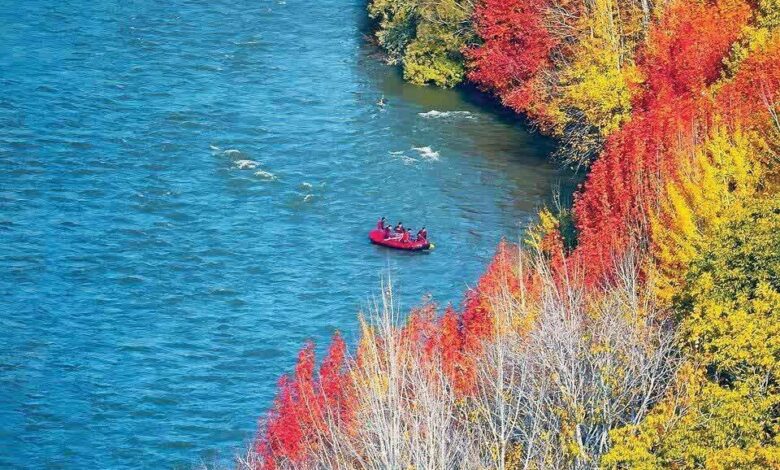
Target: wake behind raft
<point>399,239</point>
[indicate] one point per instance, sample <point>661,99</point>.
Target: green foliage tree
<point>426,36</point>
<point>724,411</point>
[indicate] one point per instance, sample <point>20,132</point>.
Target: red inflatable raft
<point>377,237</point>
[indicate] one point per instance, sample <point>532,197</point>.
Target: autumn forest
<point>636,328</point>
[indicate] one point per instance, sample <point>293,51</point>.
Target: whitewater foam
<point>435,114</point>
<point>427,153</point>
<point>246,164</point>
<point>266,175</point>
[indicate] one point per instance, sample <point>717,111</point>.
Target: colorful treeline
<point>650,340</point>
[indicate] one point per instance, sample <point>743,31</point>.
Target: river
<point>185,193</point>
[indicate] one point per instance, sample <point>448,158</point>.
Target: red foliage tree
<point>500,278</point>
<point>304,403</point>
<point>450,342</point>
<point>516,48</point>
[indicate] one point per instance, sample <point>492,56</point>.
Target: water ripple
<point>185,190</point>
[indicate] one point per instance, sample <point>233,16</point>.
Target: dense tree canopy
<point>723,411</point>
<point>426,36</point>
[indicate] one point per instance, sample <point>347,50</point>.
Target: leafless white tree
<point>563,366</point>
<point>589,363</point>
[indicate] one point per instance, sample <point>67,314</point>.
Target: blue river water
<point>185,193</point>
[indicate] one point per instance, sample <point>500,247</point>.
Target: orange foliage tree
<point>683,58</point>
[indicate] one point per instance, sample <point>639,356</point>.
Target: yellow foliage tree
<point>596,88</point>
<point>712,183</point>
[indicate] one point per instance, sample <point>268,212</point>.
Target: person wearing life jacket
<point>399,228</point>
<point>405,237</point>
<point>380,224</point>
<point>422,235</point>
<point>387,232</point>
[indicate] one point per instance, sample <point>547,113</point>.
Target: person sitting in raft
<point>380,224</point>
<point>422,235</point>
<point>388,233</point>
<point>399,228</point>
<point>405,237</point>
